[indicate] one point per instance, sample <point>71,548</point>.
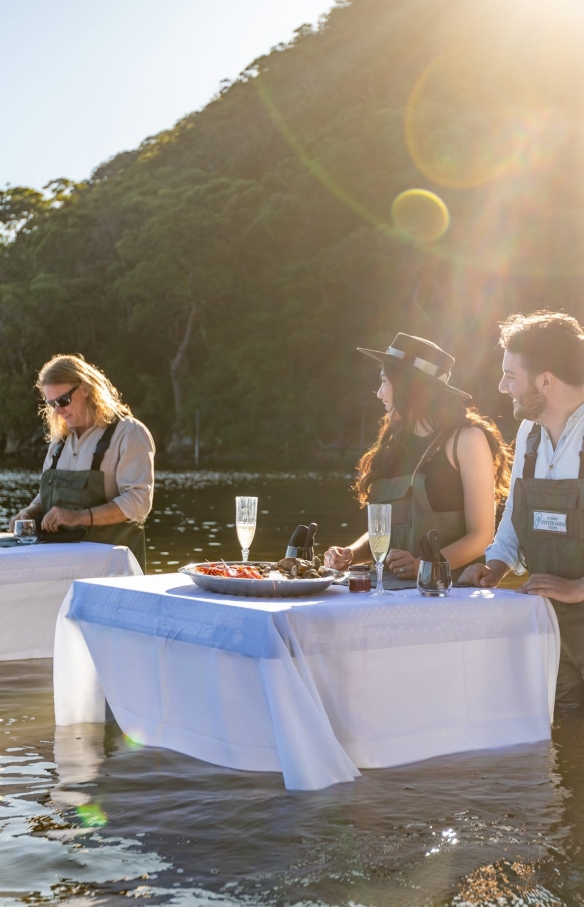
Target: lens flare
<point>91,815</point>
<point>499,115</point>
<point>421,215</point>
<point>134,739</point>
<point>464,118</point>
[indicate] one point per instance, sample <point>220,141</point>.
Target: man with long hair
<point>99,470</point>
<point>543,524</point>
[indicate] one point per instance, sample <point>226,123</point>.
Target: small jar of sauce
<point>359,578</point>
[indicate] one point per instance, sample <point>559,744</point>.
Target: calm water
<point>87,818</point>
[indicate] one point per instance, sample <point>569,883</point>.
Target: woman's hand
<point>402,564</point>
<point>570,591</point>
<point>338,558</point>
<point>58,516</point>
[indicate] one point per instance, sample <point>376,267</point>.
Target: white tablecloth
<point>313,688</point>
<point>34,579</point>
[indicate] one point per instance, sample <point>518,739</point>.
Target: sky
<point>86,79</point>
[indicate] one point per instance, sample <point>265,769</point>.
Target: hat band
<point>422,364</point>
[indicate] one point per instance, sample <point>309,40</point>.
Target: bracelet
<point>90,517</point>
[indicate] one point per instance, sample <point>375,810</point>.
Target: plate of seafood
<point>287,578</point>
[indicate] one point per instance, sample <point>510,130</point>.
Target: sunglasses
<point>63,400</point>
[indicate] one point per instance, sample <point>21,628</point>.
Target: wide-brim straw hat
<point>408,352</point>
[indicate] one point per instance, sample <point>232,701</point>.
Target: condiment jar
<point>359,578</point>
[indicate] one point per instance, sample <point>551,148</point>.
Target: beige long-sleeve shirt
<point>128,465</point>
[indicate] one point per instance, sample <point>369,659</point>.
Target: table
<point>33,582</point>
<point>315,689</point>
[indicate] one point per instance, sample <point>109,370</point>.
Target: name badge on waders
<point>549,521</point>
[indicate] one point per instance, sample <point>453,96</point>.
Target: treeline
<point>230,265</point>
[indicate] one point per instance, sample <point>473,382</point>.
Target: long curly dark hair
<point>419,400</point>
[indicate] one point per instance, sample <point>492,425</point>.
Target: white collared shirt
<point>128,465</point>
<point>561,463</point>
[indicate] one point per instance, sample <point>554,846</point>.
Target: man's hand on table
<point>563,590</point>
<point>485,575</point>
<point>402,564</point>
<point>58,516</point>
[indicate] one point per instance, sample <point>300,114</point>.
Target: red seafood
<point>240,571</point>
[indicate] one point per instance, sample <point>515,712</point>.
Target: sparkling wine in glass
<point>246,514</point>
<point>379,524</point>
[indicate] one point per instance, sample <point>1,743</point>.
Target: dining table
<point>35,578</point>
<point>317,687</point>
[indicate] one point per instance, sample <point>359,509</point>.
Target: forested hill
<point>231,264</point>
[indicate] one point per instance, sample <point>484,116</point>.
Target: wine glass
<point>379,524</point>
<point>246,514</point>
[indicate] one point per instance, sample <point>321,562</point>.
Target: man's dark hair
<point>548,342</point>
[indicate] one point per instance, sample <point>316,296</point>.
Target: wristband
<point>90,517</point>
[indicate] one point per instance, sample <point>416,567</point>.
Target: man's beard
<point>530,405</point>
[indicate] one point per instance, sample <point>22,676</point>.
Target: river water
<point>86,817</point>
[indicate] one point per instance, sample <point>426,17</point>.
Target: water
<point>193,517</point>
<point>86,817</point>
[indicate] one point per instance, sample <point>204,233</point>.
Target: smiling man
<point>543,524</point>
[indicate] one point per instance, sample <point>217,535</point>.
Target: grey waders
<point>83,489</point>
<point>548,517</point>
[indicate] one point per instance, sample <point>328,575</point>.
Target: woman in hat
<point>436,460</point>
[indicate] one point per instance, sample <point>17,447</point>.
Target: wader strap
<point>432,448</point>
<point>531,446</point>
<point>581,470</point>
<point>57,454</point>
<point>102,446</point>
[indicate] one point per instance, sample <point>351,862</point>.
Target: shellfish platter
<point>289,577</point>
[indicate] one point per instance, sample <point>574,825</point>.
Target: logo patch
<point>550,522</point>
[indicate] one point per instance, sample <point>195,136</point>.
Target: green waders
<point>548,517</point>
<point>85,488</point>
<point>411,513</point>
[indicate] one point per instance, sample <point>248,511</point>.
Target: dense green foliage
<point>232,264</point>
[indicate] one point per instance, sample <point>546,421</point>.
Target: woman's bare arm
<point>356,553</point>
<point>478,485</point>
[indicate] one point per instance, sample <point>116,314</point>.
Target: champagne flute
<point>379,524</point>
<point>246,514</point>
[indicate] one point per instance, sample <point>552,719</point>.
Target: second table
<point>34,579</point>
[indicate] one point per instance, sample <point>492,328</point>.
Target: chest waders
<point>411,513</point>
<point>548,517</point>
<point>80,490</point>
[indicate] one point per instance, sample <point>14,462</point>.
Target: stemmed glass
<point>246,514</point>
<point>379,524</point>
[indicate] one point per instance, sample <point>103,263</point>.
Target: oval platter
<point>256,588</point>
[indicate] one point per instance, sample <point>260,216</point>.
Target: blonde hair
<point>103,403</point>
